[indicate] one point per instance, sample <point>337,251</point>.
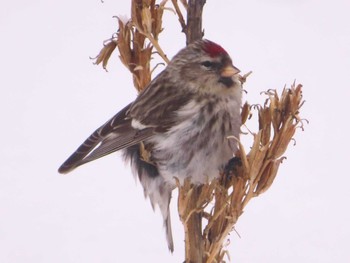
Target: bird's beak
<point>229,71</point>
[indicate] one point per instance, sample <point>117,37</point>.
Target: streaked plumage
<point>181,120</point>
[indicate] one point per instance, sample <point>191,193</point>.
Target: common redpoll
<point>182,120</point>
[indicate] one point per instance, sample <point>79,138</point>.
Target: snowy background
<point>53,97</point>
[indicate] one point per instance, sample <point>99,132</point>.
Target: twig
<point>179,14</point>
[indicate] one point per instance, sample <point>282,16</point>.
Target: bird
<point>177,128</point>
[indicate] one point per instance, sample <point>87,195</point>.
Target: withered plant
<point>209,212</point>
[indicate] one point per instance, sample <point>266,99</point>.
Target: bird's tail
<point>154,186</point>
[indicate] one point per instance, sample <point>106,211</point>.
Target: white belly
<point>197,147</point>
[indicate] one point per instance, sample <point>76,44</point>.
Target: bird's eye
<point>208,64</point>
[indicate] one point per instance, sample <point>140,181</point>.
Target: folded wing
<point>115,134</point>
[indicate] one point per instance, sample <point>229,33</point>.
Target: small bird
<point>177,127</point>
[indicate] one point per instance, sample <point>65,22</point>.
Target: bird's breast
<point>197,146</point>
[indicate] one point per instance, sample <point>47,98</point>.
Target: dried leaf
<point>268,176</point>
<point>106,53</point>
<point>281,142</point>
<point>146,20</point>
<point>265,125</point>
<point>245,113</point>
<point>157,15</point>
<point>255,158</point>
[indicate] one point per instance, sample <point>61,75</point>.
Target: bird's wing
<point>158,104</point>
<point>115,134</point>
<point>154,111</point>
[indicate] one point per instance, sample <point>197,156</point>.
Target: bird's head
<point>205,67</point>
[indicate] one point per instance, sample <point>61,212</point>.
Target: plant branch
<point>179,14</point>
<point>194,20</point>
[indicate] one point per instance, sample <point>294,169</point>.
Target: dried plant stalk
<point>194,20</point>
<point>136,39</point>
<point>209,212</point>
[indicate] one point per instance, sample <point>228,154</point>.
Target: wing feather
<point>115,142</point>
<point>115,134</point>
<point>157,105</point>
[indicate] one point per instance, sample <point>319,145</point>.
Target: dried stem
<point>157,47</point>
<point>192,222</point>
<point>179,14</point>
<point>194,20</point>
<point>194,242</point>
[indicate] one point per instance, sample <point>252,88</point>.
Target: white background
<point>53,97</point>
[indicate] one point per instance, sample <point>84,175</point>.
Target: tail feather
<point>169,232</point>
<point>154,186</point>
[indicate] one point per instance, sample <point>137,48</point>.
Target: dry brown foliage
<point>136,39</point>
<point>218,204</point>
